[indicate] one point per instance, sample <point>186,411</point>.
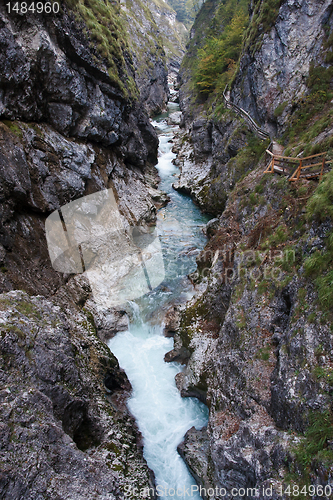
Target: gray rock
<point>2,255</point>
<point>60,116</point>
<point>42,83</point>
<point>278,71</point>
<point>175,118</point>
<point>63,435</point>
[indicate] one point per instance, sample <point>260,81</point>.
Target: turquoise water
<point>162,415</point>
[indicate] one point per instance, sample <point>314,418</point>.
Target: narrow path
<point>277,149</point>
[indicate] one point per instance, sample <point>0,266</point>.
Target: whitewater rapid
<point>163,417</point>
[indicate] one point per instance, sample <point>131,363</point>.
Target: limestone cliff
<point>72,123</point>
<point>257,337</point>
<point>148,54</point>
<point>173,33</point>
<point>157,42</point>
<point>277,59</point>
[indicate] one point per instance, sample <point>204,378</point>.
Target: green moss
<point>105,30</point>
<point>14,329</point>
<point>189,320</point>
<point>263,353</point>
<point>113,448</point>
<point>280,108</point>
<point>314,448</point>
<point>5,304</point>
<point>324,374</point>
<point>13,126</point>
<point>241,321</point>
<point>27,309</point>
<point>312,317</point>
<point>90,324</point>
<point>262,21</point>
<point>247,158</point>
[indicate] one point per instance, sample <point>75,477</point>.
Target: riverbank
<point>163,417</point>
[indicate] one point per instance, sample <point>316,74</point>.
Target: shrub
<point>317,437</point>
<point>217,59</point>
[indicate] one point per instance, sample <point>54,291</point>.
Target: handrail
<point>313,165</point>
<point>289,158</point>
<point>278,158</point>
<point>314,156</point>
<point>240,111</point>
<point>297,174</point>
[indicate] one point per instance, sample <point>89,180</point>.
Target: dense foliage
<point>186,10</point>
<point>218,58</point>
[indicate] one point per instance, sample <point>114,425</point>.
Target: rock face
<point>214,150</point>
<point>64,430</point>
<point>148,56</point>
<point>255,348</point>
<point>173,34</point>
<point>50,73</point>
<point>276,73</point>
<point>256,340</point>
<point>72,123</point>
<point>213,155</point>
<point>157,42</point>
<point>87,136</point>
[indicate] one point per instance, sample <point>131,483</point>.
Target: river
<point>163,417</point>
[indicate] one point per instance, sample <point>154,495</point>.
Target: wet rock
<point>171,321</point>
<point>159,197</point>
<point>174,118</point>
<point>181,355</point>
<point>108,322</point>
<point>194,450</point>
<point>61,437</point>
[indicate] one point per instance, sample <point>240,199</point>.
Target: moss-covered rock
<point>59,388</point>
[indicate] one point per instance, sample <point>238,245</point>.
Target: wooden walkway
<point>262,134</point>
<point>309,167</point>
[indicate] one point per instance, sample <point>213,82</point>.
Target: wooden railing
<point>294,168</point>
<point>297,168</point>
<point>249,120</point>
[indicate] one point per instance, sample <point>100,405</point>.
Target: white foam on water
<point>163,417</point>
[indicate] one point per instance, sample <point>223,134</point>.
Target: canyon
<point>252,335</point>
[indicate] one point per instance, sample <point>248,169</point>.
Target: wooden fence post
<point>322,168</point>
<point>299,169</point>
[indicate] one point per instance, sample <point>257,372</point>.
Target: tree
<point>217,59</point>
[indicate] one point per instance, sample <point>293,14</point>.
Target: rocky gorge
<point>74,121</point>
<point>76,93</point>
<point>256,339</point>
